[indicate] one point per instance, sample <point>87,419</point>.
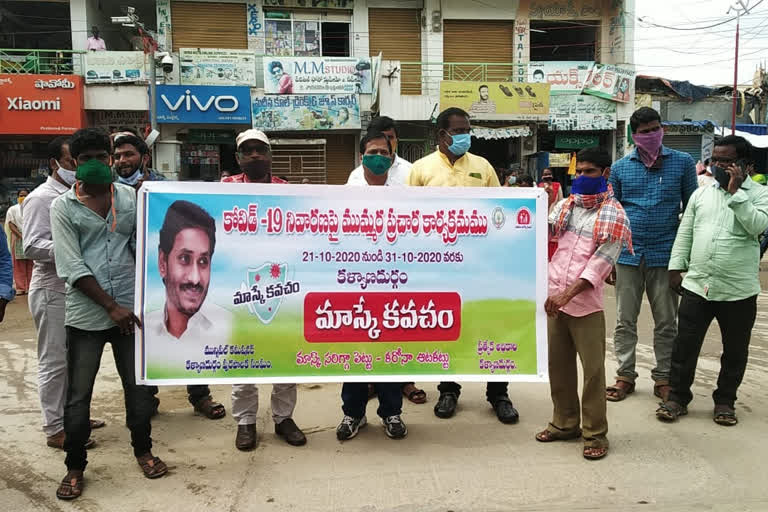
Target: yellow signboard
<point>501,101</point>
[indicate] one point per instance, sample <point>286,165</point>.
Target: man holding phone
<point>717,246</point>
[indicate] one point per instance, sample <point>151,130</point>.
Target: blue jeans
<point>84,349</point>
<point>354,397</point>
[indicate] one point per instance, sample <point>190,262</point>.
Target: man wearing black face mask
<point>717,246</point>
<point>254,154</point>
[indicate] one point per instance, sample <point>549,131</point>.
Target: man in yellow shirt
<point>453,166</point>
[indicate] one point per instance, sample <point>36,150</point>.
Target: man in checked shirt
<point>652,182</point>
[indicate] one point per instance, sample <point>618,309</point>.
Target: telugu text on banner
<point>217,66</point>
<point>305,112</point>
<point>290,283</point>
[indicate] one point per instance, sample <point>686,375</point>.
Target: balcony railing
<point>55,62</point>
<point>418,78</point>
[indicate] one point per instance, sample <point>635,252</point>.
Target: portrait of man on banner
<point>186,323</point>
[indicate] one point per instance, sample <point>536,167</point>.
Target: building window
<point>563,40</point>
<point>301,35</point>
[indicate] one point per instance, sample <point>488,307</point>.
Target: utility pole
<point>741,9</point>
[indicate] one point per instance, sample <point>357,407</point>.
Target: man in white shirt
<point>47,293</point>
<point>184,326</point>
<point>397,174</point>
<point>95,43</point>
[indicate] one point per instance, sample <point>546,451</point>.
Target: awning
<point>758,141</point>
<point>501,133</point>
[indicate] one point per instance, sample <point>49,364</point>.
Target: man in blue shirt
<point>651,183</point>
<point>6,276</point>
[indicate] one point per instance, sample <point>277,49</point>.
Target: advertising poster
<point>497,100</point>
<point>41,104</point>
<point>308,75</point>
<point>291,283</point>
<point>214,66</point>
<point>610,82</point>
<point>305,112</point>
<point>581,113</point>
<point>203,104</point>
<point>563,77</point>
<point>114,67</point>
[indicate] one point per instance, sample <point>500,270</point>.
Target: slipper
<point>669,411</point>
<point>155,470</point>
<point>67,491</point>
<point>417,396</point>
<point>594,452</point>
<point>619,392</point>
<point>210,409</point>
<point>662,391</point>
<point>97,423</point>
<point>725,416</point>
<point>547,436</point>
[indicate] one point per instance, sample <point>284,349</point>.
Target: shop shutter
<point>690,144</point>
<point>478,42</point>
<point>208,25</point>
<point>299,159</point>
<point>396,34</point>
<point>339,158</point>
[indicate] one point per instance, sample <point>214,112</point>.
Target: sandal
<point>210,409</point>
<point>152,466</point>
<point>594,453</point>
<point>662,390</point>
<point>69,491</point>
<point>725,415</point>
<point>416,395</point>
<point>619,391</point>
<point>670,411</point>
<point>547,436</point>
<point>97,423</point>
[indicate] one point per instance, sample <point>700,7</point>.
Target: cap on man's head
<point>251,134</point>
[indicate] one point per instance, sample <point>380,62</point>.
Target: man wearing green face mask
<point>94,233</point>
<point>396,174</point>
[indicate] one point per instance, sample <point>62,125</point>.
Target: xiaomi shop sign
<point>41,104</point>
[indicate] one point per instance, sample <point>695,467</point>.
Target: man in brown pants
<point>591,228</point>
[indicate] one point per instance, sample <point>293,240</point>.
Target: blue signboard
<point>203,104</point>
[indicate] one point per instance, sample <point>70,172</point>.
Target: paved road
<point>469,463</point>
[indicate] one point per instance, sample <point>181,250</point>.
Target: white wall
<point>485,10</point>
<point>116,97</point>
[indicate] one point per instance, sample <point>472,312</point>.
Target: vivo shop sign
<point>203,104</point>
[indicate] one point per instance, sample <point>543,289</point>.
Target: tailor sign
<point>203,104</point>
<point>41,104</point>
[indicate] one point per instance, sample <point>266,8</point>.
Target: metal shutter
<point>690,144</point>
<point>479,41</point>
<point>339,158</point>
<point>396,33</point>
<point>208,25</point>
<point>297,159</point>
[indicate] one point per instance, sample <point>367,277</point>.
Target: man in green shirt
<point>717,246</point>
<point>94,234</point>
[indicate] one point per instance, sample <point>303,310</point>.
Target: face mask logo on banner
<point>221,103</point>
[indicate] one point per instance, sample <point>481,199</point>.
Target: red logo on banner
<point>382,316</point>
<point>524,218</point>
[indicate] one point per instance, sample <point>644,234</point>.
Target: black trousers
<point>493,390</point>
<point>195,392</point>
<point>84,349</point>
<point>736,320</point>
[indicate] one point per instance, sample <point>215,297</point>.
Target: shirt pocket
<point>473,181</point>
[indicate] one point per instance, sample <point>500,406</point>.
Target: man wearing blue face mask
<point>453,166</point>
<point>131,156</point>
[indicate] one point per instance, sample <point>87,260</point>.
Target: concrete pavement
<point>468,463</point>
